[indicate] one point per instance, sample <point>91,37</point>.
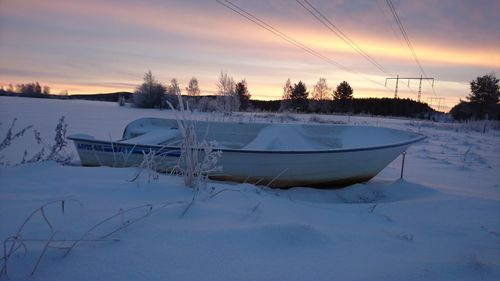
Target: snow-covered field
<point>441,222</point>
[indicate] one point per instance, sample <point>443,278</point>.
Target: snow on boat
<point>279,155</point>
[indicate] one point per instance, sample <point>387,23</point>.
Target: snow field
<point>440,222</point>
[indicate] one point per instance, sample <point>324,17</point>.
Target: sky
<point>100,46</point>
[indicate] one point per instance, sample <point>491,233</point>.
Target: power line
<point>278,33</point>
<point>405,35</point>
<point>406,38</point>
<point>338,32</point>
<point>383,11</point>
<point>235,8</point>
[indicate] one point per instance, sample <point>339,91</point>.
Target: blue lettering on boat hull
<point>160,151</point>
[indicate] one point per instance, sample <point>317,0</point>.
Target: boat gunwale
<point>419,137</point>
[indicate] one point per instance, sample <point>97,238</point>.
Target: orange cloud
<point>384,48</point>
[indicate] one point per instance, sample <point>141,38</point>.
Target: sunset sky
<point>98,46</point>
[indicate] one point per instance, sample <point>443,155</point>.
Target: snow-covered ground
<point>441,222</point>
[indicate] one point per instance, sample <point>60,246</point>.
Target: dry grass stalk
<point>17,242</point>
<point>10,136</point>
<point>148,164</point>
<point>124,223</point>
<point>198,158</point>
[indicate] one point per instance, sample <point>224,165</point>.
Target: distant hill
<point>112,97</point>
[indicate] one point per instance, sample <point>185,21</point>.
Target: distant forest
<point>371,106</point>
<point>112,97</point>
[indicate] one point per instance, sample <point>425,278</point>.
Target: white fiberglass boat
<point>279,155</point>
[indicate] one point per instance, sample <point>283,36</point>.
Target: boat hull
<point>327,169</point>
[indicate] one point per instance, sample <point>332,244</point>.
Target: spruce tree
<point>242,93</point>
<point>343,91</point>
<point>299,96</point>
<point>342,97</point>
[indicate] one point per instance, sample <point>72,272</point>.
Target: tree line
<point>296,97</point>
<point>231,96</point>
<point>235,96</point>
<point>33,89</point>
<point>481,103</point>
<point>369,106</point>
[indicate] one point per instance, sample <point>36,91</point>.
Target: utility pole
<point>436,102</point>
<point>396,90</point>
<point>409,78</point>
<point>420,87</point>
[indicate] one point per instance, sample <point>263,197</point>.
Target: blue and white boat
<point>279,155</point>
